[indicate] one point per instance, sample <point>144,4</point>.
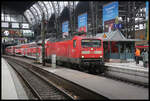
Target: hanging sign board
<point>5,24</point>
<point>15,25</point>
<point>25,25</point>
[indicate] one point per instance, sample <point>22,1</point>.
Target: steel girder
<point>29,17</point>
<point>46,9</point>
<point>33,15</point>
<point>36,12</point>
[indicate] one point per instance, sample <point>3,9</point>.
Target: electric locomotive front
<point>91,51</point>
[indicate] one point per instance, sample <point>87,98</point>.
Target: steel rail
<point>34,92</point>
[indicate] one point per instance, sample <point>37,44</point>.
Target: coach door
<point>74,48</point>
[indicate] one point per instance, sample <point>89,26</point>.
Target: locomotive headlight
<point>97,52</point>
<point>101,56</point>
<point>82,56</point>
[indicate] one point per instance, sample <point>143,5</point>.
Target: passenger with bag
<point>145,58</point>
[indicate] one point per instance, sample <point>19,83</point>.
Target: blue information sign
<point>65,26</point>
<point>82,22</point>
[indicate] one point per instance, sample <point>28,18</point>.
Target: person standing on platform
<point>145,58</point>
<point>137,55</point>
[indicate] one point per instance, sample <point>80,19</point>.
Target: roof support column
<point>92,18</point>
<point>70,17</point>
<point>56,14</point>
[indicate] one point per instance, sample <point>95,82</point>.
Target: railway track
<point>40,88</point>
<point>61,88</point>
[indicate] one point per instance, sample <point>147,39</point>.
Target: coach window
<point>74,43</point>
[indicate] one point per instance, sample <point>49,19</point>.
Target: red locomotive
<point>84,52</point>
<point>79,50</point>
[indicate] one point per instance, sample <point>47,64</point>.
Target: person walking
<point>137,55</point>
<point>145,58</point>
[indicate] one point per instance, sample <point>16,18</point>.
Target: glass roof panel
<point>62,4</point>
<point>44,8</point>
<point>49,7</point>
<point>30,16</point>
<point>39,12</point>
<point>48,10</point>
<point>27,16</point>
<point>34,11</point>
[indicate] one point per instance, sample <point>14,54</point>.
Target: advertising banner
<point>65,28</point>
<point>11,33</point>
<point>110,14</point>
<point>82,22</point>
<point>147,18</point>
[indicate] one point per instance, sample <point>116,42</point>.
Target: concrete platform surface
<point>11,86</point>
<point>130,65</point>
<point>107,87</point>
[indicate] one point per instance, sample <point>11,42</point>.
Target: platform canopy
<point>114,36</point>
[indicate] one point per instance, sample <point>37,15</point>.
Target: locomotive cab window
<point>91,43</point>
<point>74,43</point>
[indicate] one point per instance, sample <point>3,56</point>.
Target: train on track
<point>81,52</point>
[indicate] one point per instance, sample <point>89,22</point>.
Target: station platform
<point>109,88</point>
<point>129,65</point>
<point>129,71</point>
<point>104,86</point>
<point>11,85</point>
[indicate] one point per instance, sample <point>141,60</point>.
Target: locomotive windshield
<point>91,43</point>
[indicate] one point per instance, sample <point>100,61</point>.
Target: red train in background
<point>80,51</point>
